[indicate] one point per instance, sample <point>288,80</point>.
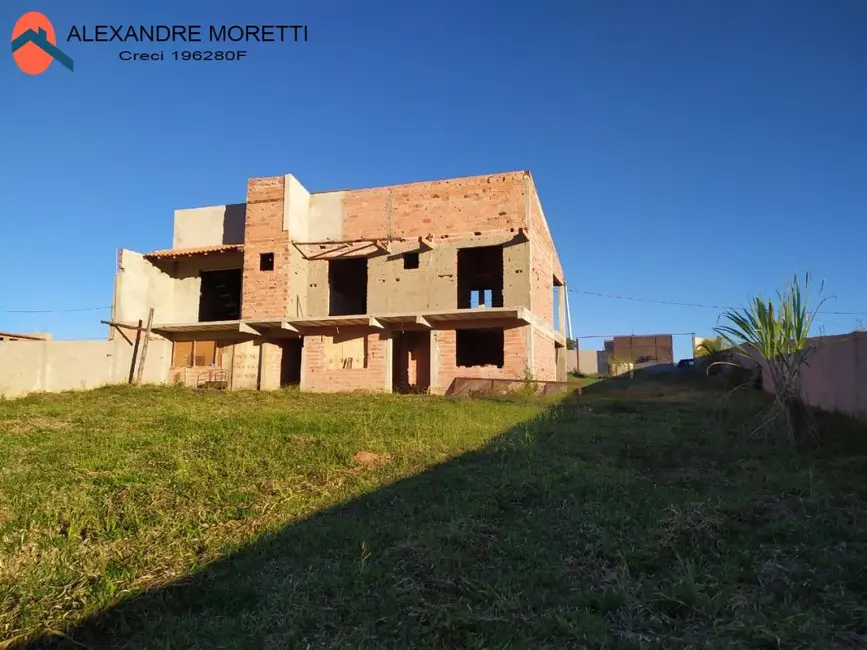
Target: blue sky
<point>694,152</point>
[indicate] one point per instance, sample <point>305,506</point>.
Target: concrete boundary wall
<point>835,378</point>
<point>54,366</point>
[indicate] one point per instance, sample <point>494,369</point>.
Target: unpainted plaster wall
<point>209,226</point>
<point>326,218</point>
<point>296,209</point>
<point>52,366</point>
<point>187,283</point>
<point>140,285</point>
<point>172,288</point>
<point>392,288</point>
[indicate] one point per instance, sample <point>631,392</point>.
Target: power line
<point>587,293</point>
<point>661,302</point>
<point>695,304</point>
<point>50,311</point>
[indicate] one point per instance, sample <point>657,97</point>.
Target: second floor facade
<point>290,255</point>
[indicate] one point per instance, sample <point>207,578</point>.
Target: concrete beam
<point>243,328</point>
<point>424,322</point>
<point>289,327</point>
<point>373,322</point>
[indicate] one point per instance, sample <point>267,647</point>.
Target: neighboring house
<point>588,362</point>
<point>646,349</point>
<point>7,336</point>
<point>387,289</point>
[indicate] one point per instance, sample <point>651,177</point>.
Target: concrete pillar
<point>434,363</point>
<point>303,383</point>
<point>561,363</point>
<point>270,365</point>
<point>389,363</point>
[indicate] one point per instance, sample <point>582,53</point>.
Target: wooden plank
<point>122,325</point>
<point>123,334</point>
<point>134,351</point>
<point>144,349</point>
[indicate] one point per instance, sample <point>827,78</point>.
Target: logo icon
<point>34,44</point>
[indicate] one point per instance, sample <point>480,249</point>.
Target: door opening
<point>411,365</point>
<point>290,365</point>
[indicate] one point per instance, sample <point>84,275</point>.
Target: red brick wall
<point>318,377</point>
<point>265,293</point>
<point>450,206</point>
<point>539,232</point>
<point>514,362</point>
<point>544,264</point>
<point>541,283</point>
<point>544,357</point>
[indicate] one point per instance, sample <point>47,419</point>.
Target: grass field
<point>630,517</point>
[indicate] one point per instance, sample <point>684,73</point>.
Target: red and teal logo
<point>34,44</point>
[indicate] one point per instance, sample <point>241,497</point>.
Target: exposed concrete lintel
<point>337,249</point>
<point>376,324</point>
<point>531,319</point>
<point>246,329</point>
<point>424,322</point>
<point>476,238</point>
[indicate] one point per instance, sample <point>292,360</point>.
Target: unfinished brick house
<point>395,288</point>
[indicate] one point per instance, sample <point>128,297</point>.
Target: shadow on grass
<point>574,529</point>
<point>468,550</point>
<point>681,377</point>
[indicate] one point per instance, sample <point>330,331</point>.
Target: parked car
<point>686,363</point>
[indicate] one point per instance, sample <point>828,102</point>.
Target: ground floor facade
<point>377,357</point>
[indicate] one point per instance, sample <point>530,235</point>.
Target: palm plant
<point>713,352</point>
<point>619,366</point>
<point>712,347</point>
<point>779,333</point>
